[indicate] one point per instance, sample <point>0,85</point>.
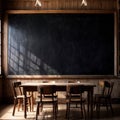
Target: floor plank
<point>6,114</point>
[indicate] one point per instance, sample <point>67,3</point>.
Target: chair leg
<point>55,111</point>
<point>98,109</point>
<point>106,104</point>
<point>32,101</point>
<point>67,110</point>
<point>111,107</point>
<point>81,106</point>
<point>37,110</point>
<point>57,107</point>
<point>15,102</point>
<point>85,112</point>
<point>19,104</point>
<point>29,102</point>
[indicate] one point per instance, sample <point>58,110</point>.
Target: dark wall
<point>65,44</point>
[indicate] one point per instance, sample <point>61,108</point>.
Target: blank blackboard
<point>61,44</point>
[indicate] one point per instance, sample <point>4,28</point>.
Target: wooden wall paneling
<point>0,53</point>
<point>59,4</point>
<point>19,5</point>
<point>0,8</point>
<point>0,90</point>
<point>118,27</point>
<point>4,46</point>
<point>7,91</point>
<point>0,5</point>
<point>118,38</point>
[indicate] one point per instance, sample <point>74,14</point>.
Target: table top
<point>57,84</point>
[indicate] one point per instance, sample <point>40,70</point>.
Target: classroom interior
<point>53,42</point>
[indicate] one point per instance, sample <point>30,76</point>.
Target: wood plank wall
<point>0,78</point>
<point>0,90</point>
<point>53,5</point>
<point>0,5</point>
<point>59,4</point>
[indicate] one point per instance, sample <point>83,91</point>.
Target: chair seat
<point>48,100</point>
<point>22,96</point>
<point>76,99</point>
<point>49,96</point>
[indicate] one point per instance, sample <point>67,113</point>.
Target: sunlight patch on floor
<point>6,114</point>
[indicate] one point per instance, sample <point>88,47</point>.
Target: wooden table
<point>62,87</point>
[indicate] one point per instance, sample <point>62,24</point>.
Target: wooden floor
<point>6,114</point>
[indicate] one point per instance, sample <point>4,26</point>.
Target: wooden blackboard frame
<point>5,40</point>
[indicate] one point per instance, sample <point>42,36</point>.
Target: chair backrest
<point>75,89</point>
<point>75,93</point>
<point>47,89</point>
<point>108,88</point>
<point>16,88</point>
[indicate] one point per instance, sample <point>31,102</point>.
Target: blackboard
<point>61,44</point>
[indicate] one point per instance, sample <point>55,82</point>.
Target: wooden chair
<point>104,99</point>
<point>19,97</point>
<point>75,97</point>
<point>71,81</point>
<point>47,96</point>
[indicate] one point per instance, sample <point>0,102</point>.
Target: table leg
<point>91,97</point>
<point>90,103</point>
<point>32,102</point>
<point>25,100</point>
